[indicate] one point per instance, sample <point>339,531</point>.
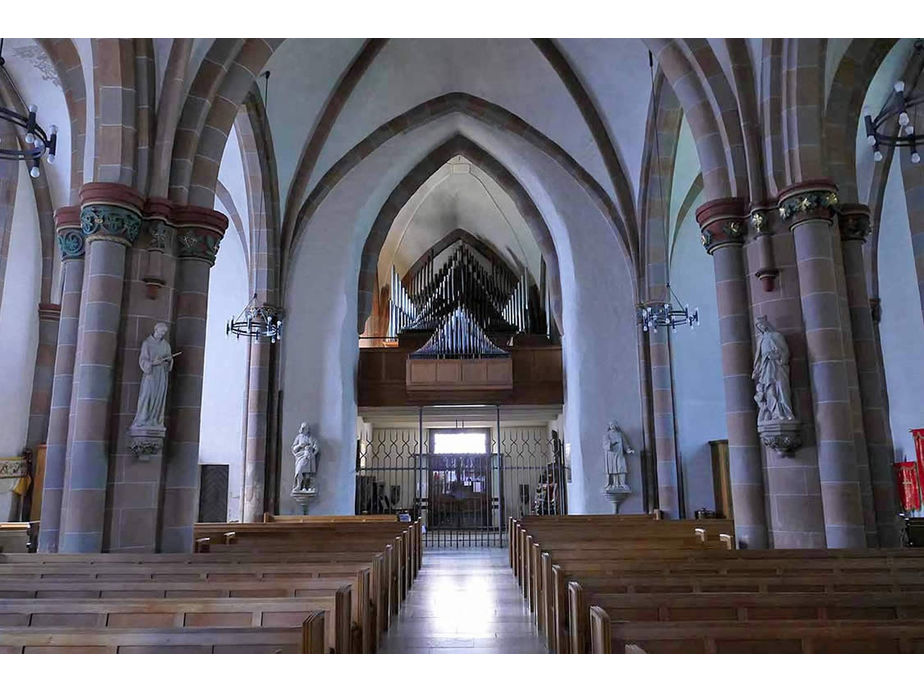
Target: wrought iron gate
<point>463,499</point>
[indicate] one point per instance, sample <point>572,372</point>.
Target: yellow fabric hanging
<point>22,485</point>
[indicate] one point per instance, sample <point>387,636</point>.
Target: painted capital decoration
<point>199,243</point>
<point>160,235</point>
<point>721,233</point>
<point>71,243</point>
<point>99,221</point>
<point>810,203</point>
<point>855,226</point>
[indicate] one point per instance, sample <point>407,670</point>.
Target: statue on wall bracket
<point>156,361</point>
<point>305,449</point>
<point>777,425</point>
<point>615,448</point>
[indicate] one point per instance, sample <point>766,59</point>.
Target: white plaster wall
<point>224,382</point>
<point>615,73</point>
<point>303,74</point>
<point>902,327</point>
<point>509,72</point>
<point>19,320</point>
<point>699,394</point>
<point>37,81</point>
<point>686,169</point>
<point>320,349</point>
<point>449,200</point>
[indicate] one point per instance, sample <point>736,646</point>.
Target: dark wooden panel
<point>382,373</point>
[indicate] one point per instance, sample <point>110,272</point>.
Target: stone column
<point>257,405</point>
<point>808,210</point>
<point>71,245</point>
<point>854,224</point>
<point>723,229</point>
<point>43,376</point>
<point>663,409</point>
<point>199,232</point>
<point>110,220</point>
<point>136,461</point>
<point>793,489</point>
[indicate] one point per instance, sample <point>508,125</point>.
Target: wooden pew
<point>191,613</point>
<point>269,517</point>
<point>637,531</point>
<point>406,538</point>
<point>370,607</point>
<point>846,637</point>
<point>263,579</point>
<point>18,537</point>
<point>734,606</point>
<point>308,638</point>
<point>711,577</point>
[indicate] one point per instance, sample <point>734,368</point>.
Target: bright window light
<point>460,443</point>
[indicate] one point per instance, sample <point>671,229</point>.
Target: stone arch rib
<point>709,106</point>
<point>66,60</point>
<point>484,111</point>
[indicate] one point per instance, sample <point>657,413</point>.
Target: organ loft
<point>461,345</point>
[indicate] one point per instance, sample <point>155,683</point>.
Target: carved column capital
<point>68,233</point>
<point>808,201</point>
<point>199,233</point>
<point>110,223</point>
<point>158,226</point>
<point>111,212</point>
<point>722,222</point>
<point>854,222</point>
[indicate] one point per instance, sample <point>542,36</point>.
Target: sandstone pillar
<point>71,245</point>
<point>723,228</point>
<point>257,410</point>
<point>663,419</point>
<point>110,220</point>
<point>793,488</point>
<point>808,210</point>
<point>199,232</point>
<point>854,224</point>
<point>136,461</point>
<point>43,376</point>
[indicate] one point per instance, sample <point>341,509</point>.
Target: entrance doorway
<point>462,482</point>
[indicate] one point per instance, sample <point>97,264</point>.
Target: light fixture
<point>37,142</point>
<point>655,314</point>
<point>901,105</point>
<point>260,322</point>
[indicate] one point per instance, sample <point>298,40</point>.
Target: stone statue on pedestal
<point>771,374</point>
<point>616,447</point>
<point>776,423</point>
<point>305,449</point>
<point>156,362</point>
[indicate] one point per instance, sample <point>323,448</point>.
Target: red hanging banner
<point>908,483</point>
<point>918,435</point>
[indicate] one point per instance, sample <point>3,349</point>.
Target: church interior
<point>468,345</point>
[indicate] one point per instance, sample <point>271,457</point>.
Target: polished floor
<point>464,601</point>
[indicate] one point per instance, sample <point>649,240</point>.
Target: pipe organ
<point>468,304</point>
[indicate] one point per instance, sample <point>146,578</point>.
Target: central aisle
<point>464,601</point>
